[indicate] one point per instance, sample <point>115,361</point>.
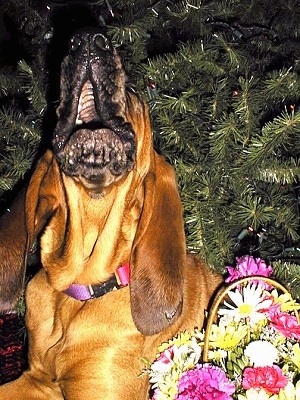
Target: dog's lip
<point>94,125</point>
<point>97,149</point>
<point>87,136</point>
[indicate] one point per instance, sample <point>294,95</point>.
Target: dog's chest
<point>61,328</point>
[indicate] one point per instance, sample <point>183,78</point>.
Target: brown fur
<point>93,349</point>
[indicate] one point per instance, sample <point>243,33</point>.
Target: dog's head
<point>93,142</point>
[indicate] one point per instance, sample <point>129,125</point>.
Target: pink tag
<point>123,273</point>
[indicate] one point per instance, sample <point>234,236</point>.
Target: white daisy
<point>248,302</point>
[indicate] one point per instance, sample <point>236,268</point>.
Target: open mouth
<point>92,140</point>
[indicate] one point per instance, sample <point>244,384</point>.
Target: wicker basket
<point>221,297</point>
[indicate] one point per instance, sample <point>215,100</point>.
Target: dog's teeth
<point>78,121</point>
<point>78,118</point>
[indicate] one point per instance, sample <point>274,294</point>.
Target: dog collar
<point>87,292</point>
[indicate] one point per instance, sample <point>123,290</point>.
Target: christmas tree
<point>222,82</point>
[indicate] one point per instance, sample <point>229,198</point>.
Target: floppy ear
<point>158,254</point>
<point>13,239</point>
<point>43,195</point>
<point>19,227</point>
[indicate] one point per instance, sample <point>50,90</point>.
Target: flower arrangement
<point>249,351</point>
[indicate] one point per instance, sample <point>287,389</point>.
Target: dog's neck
<point>92,253</point>
<point>88,292</point>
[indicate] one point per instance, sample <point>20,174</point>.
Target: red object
<point>12,348</point>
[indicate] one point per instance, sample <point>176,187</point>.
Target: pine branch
<point>281,85</point>
<point>288,273</point>
<point>15,125</point>
<point>33,91</point>
<point>275,135</point>
<point>9,85</point>
<point>279,171</point>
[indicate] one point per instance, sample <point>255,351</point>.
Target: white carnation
<point>262,353</point>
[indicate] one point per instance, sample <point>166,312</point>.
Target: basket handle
<point>220,298</point>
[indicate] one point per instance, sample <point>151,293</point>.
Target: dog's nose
<point>90,43</point>
<point>101,42</point>
<point>75,42</point>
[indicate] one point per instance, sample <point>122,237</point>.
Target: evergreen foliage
<point>222,81</point>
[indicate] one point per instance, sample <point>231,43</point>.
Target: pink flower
<point>205,382</point>
<point>248,266</point>
<point>284,322</point>
<point>166,356</point>
<point>164,362</point>
<point>269,378</point>
<point>156,394</point>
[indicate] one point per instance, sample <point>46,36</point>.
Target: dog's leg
<point>27,388</point>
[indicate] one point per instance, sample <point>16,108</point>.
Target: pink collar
<point>87,292</point>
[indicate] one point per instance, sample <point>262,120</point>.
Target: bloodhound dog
<point>116,279</point>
